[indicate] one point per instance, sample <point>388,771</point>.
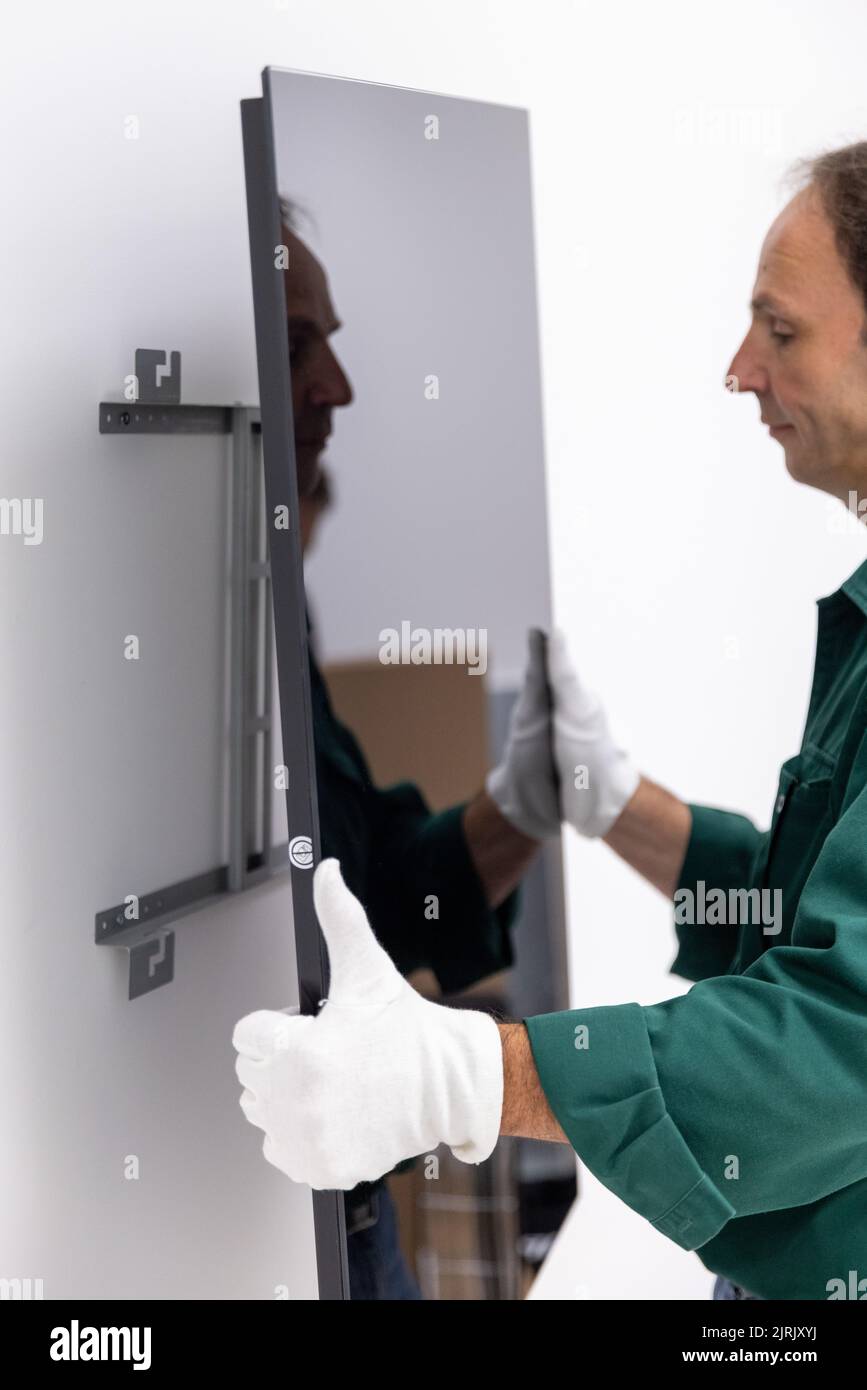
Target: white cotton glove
<point>596,776</point>
<point>524,784</point>
<point>378,1075</point>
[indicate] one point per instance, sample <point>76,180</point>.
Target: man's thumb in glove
<point>361,972</point>
<point>564,677</point>
<point>534,692</point>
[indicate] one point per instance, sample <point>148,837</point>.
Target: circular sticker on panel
<point>301,852</point>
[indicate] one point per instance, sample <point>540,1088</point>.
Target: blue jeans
<point>723,1288</point>
<point>377,1269</point>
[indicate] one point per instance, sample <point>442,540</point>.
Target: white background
<point>660,135</point>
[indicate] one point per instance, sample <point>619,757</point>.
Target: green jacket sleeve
<point>426,897</point>
<point>745,1095</point>
<point>722,845</point>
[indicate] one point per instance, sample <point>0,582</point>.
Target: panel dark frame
<point>290,627</point>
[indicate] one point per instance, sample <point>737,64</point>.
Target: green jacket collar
<point>855,587</point>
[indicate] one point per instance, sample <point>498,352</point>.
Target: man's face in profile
<point>319,383</point>
<point>804,356</point>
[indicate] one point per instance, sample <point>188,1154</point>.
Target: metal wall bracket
<point>252,858</point>
<point>158,381</point>
<point>118,417</point>
<point>151,964</point>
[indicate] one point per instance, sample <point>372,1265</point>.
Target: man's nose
<point>332,386</point>
<point>746,371</point>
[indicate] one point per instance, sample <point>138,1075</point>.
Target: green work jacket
<point>734,1118</point>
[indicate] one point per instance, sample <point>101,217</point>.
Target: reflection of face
<point>318,380</point>
<point>803,356</point>
<point>311,506</point>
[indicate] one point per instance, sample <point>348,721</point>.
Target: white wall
<point>110,768</point>
<point>674,527</point>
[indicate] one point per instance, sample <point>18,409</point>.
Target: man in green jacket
<point>734,1117</point>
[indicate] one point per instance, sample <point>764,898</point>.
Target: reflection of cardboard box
<point>428,725</point>
<point>423,724</point>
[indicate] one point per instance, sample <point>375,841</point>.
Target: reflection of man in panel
<point>393,851</point>
<point>734,1118</point>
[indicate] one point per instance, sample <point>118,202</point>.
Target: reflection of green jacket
<point>395,856</point>
<point>735,1117</point>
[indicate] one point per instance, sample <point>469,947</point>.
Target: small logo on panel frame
<point>301,852</point>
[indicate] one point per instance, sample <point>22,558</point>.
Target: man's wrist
<point>501,853</point>
<point>526,1112</point>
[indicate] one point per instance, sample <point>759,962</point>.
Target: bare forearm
<point>526,1112</point>
<point>652,833</point>
<point>501,854</point>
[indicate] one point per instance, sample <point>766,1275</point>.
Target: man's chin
<point>800,466</point>
<point>308,470</point>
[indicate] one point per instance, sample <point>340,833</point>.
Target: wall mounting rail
<point>252,859</point>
